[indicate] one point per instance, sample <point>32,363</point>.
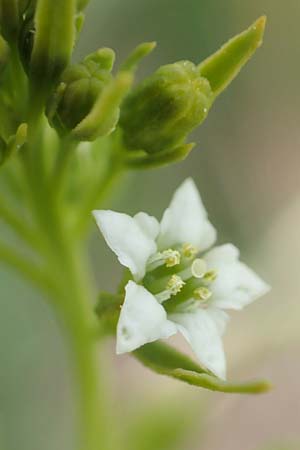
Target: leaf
<point>165,360</point>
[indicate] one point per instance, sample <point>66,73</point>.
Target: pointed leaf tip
<point>224,65</point>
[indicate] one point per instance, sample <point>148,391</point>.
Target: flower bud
<point>160,112</point>
<point>54,35</point>
<point>80,87</point>
<point>158,115</point>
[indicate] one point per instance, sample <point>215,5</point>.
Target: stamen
<point>172,257</point>
<point>175,284</point>
<point>173,287</point>
<point>189,251</point>
<point>202,293</point>
<point>210,276</point>
<point>169,258</point>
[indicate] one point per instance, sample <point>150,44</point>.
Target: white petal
<point>148,224</point>
<point>185,221</point>
<point>142,320</point>
<point>132,239</point>
<point>236,284</point>
<point>202,329</point>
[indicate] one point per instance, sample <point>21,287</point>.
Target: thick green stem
<point>85,363</point>
<point>74,310</point>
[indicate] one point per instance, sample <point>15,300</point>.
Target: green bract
<point>159,114</point>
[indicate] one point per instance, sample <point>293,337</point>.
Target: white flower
<point>173,288</point>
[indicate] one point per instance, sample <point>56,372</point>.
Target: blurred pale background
<point>247,167</point>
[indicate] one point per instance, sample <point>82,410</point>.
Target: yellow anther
<point>210,276</point>
<point>189,251</point>
<point>202,293</point>
<point>171,257</point>
<point>175,284</point>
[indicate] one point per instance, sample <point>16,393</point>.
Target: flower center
<point>179,278</point>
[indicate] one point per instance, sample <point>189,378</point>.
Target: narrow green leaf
<point>224,65</point>
<point>165,360</point>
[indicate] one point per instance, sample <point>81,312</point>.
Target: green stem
<point>96,197</point>
<point>85,359</point>
<point>65,153</point>
<point>79,322</point>
<point>72,300</point>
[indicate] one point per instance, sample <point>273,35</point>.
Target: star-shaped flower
<point>177,284</point>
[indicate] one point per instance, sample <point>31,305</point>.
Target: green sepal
<point>53,40</point>
<point>224,65</point>
<point>108,312</point>
<point>169,156</point>
<point>140,52</point>
<point>165,360</point>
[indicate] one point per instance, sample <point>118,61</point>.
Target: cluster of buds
<point>153,120</point>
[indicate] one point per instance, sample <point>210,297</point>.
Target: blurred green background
<point>246,166</point>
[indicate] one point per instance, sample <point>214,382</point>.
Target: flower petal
<point>132,239</point>
<point>142,320</point>
<point>148,224</point>
<point>202,329</point>
<point>236,284</point>
<point>185,221</point>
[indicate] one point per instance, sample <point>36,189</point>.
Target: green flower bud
<point>54,36</point>
<point>160,112</point>
<point>80,88</point>
<point>158,115</point>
